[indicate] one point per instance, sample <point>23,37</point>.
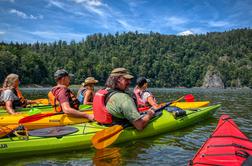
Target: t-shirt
<point>121,105</point>
<point>144,96</point>
<point>61,94</point>
<point>8,95</point>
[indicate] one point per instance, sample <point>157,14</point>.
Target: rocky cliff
<point>212,79</point>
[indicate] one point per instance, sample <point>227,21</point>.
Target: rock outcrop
<point>212,79</point>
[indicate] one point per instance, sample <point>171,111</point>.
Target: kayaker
<point>62,98</point>
<point>114,105</point>
<point>144,97</point>
<point>11,97</point>
<point>86,92</point>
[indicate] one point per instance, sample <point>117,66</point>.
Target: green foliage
<point>168,60</point>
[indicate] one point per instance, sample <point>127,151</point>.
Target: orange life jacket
<point>73,101</point>
<point>22,100</point>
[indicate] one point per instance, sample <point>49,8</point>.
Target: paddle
<point>41,101</point>
<point>107,136</point>
<point>189,98</point>
<point>39,116</point>
<point>36,117</point>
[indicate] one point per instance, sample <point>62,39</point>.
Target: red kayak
<point>227,146</point>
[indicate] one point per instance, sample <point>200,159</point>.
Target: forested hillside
<point>168,60</point>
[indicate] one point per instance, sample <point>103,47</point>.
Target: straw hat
<point>89,80</point>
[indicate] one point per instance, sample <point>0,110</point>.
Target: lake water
<point>173,148</point>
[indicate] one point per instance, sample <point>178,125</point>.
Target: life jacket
<point>2,103</point>
<point>101,113</point>
<point>21,102</point>
<point>141,105</point>
<point>80,96</point>
<point>73,101</point>
<point>138,97</point>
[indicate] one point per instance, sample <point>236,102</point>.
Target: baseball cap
<point>141,81</point>
<point>61,73</point>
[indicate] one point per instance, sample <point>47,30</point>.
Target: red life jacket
<point>138,97</point>
<point>101,113</point>
<point>141,106</point>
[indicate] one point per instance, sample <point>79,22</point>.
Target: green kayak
<point>81,137</point>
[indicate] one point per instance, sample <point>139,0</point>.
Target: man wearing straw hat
<point>86,92</point>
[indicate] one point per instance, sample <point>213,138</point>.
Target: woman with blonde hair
<point>86,92</point>
<point>11,97</point>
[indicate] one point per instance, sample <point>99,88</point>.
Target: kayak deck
<point>227,145</point>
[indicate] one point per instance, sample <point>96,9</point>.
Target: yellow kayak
<point>64,119</point>
<point>50,121</point>
<point>190,105</point>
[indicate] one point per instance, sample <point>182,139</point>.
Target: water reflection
<point>107,157</point>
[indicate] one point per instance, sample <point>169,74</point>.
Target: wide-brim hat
<point>89,80</point>
<point>121,72</point>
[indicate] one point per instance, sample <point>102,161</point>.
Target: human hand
<point>90,117</point>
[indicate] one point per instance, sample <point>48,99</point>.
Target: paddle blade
<point>189,98</point>
<point>41,101</point>
<point>34,111</point>
<point>35,117</point>
<point>4,130</point>
<point>106,137</point>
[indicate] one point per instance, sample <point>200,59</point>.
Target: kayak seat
<point>58,132</point>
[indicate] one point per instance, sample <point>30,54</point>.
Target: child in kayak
<point>86,92</point>
<point>144,97</point>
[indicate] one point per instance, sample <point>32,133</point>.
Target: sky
<point>52,20</point>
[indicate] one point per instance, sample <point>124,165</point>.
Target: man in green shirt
<point>121,105</point>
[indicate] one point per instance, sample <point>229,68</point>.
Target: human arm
<point>151,100</point>
<point>71,111</point>
<point>139,124</point>
<point>9,107</point>
<point>130,112</point>
<point>87,97</point>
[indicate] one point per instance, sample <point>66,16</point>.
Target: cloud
<point>52,36</point>
<point>173,21</point>
<point>57,4</point>
<point>89,2</point>
<point>218,23</point>
<point>2,32</point>
<point>24,15</point>
<point>12,1</point>
<point>186,33</point>
<point>125,25</point>
<point>93,6</point>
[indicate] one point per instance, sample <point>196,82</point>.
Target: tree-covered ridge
<point>168,60</point>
